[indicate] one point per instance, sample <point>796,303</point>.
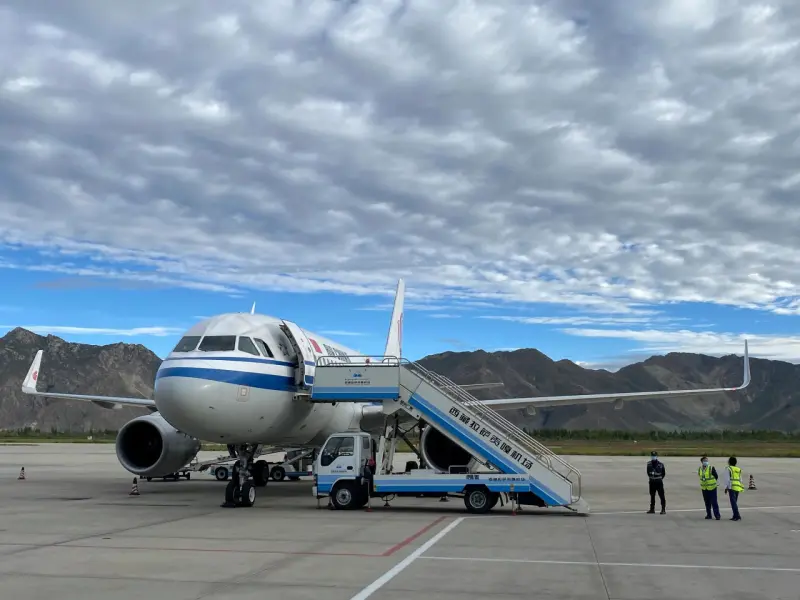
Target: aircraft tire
<point>248,495</point>
<point>260,470</point>
<point>231,493</point>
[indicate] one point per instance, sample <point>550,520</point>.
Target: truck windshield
<point>340,446</point>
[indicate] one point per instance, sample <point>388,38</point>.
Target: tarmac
<point>71,531</point>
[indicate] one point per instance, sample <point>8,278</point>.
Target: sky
<point>601,181</point>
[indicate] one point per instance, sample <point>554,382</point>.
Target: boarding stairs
<point>491,439</point>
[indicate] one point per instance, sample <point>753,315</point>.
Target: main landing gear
<point>247,476</point>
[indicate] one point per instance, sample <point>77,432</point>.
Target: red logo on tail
<point>34,375</point>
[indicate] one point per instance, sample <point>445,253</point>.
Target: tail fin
<point>29,384</point>
<point>394,341</point>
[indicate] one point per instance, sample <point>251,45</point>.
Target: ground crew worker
<point>708,484</point>
<point>733,485</point>
<point>656,471</point>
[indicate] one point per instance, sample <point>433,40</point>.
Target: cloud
<point>579,320</point>
<point>602,155</point>
<point>133,332</point>
<point>774,347</point>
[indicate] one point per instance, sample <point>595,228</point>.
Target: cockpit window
<point>247,345</point>
<point>187,344</point>
<point>262,345</point>
<point>218,343</point>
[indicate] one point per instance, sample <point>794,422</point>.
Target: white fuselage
<point>237,393</point>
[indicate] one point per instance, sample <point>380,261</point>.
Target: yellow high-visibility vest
<point>707,480</point>
<point>736,479</point>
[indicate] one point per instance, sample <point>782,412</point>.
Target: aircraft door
<point>306,359</point>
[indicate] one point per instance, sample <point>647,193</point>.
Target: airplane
<point>241,379</point>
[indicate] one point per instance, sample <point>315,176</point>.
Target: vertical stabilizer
<point>394,341</point>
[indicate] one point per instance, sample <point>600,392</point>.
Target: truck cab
<point>339,467</point>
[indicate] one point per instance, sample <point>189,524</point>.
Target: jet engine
<point>148,446</point>
<point>441,453</point>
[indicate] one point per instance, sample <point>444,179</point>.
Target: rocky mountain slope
<point>114,370</point>
<point>770,402</point>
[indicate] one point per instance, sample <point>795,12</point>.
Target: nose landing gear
<point>241,489</point>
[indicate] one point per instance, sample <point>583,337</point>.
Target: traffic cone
<point>21,473</point>
<point>752,484</point>
<point>134,488</point>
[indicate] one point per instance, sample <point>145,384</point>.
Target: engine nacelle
<point>148,446</point>
<point>441,453</point>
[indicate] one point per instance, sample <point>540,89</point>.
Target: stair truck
<point>488,455</point>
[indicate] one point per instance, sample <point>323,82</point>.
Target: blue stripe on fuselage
<point>264,381</point>
<point>243,359</point>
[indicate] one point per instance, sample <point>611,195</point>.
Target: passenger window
<point>366,444</point>
<point>335,448</point>
<point>262,345</point>
<point>187,344</point>
<point>247,345</point>
<point>218,343</point>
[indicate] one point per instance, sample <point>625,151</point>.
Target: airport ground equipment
<point>466,448</point>
<point>297,464</point>
<point>222,468</point>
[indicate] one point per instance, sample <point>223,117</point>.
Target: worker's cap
<point>654,453</point>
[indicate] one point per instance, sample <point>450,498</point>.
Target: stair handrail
<point>460,395</point>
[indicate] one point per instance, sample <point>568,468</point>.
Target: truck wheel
<point>221,473</point>
<point>278,473</point>
<point>188,476</point>
<point>477,500</point>
<point>344,496</point>
<point>260,470</point>
<point>149,478</point>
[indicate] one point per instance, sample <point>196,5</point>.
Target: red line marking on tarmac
<point>411,538</point>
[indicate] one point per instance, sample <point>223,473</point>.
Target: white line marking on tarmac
<point>383,579</point>
<point>612,564</point>
<point>499,515</point>
<point>700,509</point>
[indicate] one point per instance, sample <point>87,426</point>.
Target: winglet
<point>394,341</point>
<point>253,310</point>
<point>746,377</point>
<point>29,384</point>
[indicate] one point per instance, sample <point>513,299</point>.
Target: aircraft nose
<point>185,402</point>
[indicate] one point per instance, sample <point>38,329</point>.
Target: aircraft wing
<point>618,399</point>
<point>112,402</point>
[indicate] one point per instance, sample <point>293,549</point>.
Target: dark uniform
<point>656,471</point>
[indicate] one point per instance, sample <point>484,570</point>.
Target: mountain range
<point>772,401</point>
